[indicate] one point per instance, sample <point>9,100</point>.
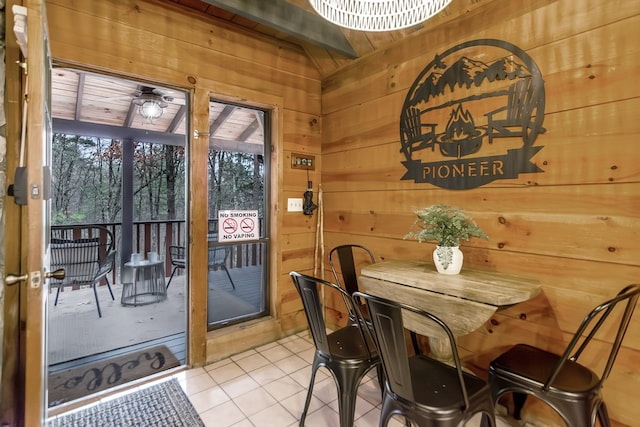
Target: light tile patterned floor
<point>267,386</point>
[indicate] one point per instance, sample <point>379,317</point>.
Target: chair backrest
<point>80,250</point>
<point>218,256</point>
<point>308,288</point>
<point>624,305</point>
<point>177,255</point>
<point>349,259</point>
<point>388,327</point>
<point>107,266</point>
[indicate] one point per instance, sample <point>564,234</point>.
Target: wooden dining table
<point>463,301</point>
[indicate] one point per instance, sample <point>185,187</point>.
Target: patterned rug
<point>92,378</point>
<point>161,405</point>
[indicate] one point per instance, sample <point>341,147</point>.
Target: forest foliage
<point>86,184</point>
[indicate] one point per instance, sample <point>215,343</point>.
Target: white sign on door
<point>238,225</point>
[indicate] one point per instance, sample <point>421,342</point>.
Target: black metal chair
<point>177,258</point>
<point>218,256</point>
<point>345,262</point>
<point>570,388</point>
<point>348,353</point>
<point>349,259</point>
<point>87,255</point>
<point>427,392</point>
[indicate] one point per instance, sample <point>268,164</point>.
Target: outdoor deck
<point>76,335</point>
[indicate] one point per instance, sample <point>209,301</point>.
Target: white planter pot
<point>448,259</point>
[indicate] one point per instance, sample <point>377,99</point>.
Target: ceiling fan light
<point>150,106</point>
<point>151,110</point>
<point>377,15</point>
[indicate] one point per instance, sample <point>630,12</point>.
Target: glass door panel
<point>238,240</point>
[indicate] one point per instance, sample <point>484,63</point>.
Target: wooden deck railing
<point>157,236</point>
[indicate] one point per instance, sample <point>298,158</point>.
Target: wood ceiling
<point>101,106</point>
<point>295,21</point>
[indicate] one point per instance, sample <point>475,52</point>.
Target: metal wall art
<point>467,122</point>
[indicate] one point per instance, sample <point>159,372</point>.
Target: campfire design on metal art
<point>462,106</point>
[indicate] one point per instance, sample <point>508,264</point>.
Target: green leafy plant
<point>445,225</point>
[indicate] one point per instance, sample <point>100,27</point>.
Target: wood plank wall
<point>574,227</point>
<point>165,44</point>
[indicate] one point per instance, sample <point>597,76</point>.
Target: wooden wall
<point>160,43</point>
<point>574,227</point>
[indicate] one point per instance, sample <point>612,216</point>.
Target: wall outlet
<point>294,205</point>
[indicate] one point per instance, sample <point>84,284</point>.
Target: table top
<point>485,287</point>
<point>143,263</point>
<point>464,301</point>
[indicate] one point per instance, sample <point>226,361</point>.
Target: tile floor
<point>267,387</point>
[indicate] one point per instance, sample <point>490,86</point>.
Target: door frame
<point>34,221</point>
<point>11,406</point>
<point>23,392</point>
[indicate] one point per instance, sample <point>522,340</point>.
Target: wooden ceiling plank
<point>292,20</point>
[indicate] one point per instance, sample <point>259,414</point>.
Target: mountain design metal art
<point>462,106</point>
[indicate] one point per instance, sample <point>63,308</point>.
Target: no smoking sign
<point>238,225</point>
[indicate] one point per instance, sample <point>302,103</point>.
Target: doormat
<point>163,404</point>
<point>87,379</point>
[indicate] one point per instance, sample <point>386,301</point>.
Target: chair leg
<point>518,403</point>
<point>57,295</point>
<point>95,293</point>
<point>171,277</point>
<point>348,381</point>
<point>314,368</point>
<point>381,378</point>
<point>229,276</point>
<point>603,415</point>
<point>486,420</point>
<point>110,291</point>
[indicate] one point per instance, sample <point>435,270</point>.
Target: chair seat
<point>425,391</point>
<point>534,365</point>
<point>346,344</point>
<point>570,388</point>
<point>431,378</point>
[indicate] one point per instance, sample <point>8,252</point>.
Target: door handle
<point>56,274</point>
<point>12,279</point>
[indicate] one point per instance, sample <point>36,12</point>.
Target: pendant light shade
<point>377,15</point>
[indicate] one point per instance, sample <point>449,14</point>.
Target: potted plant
<point>446,226</point>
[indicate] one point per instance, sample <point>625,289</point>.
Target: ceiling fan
<point>149,93</point>
<point>151,102</point>
<point>155,94</point>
